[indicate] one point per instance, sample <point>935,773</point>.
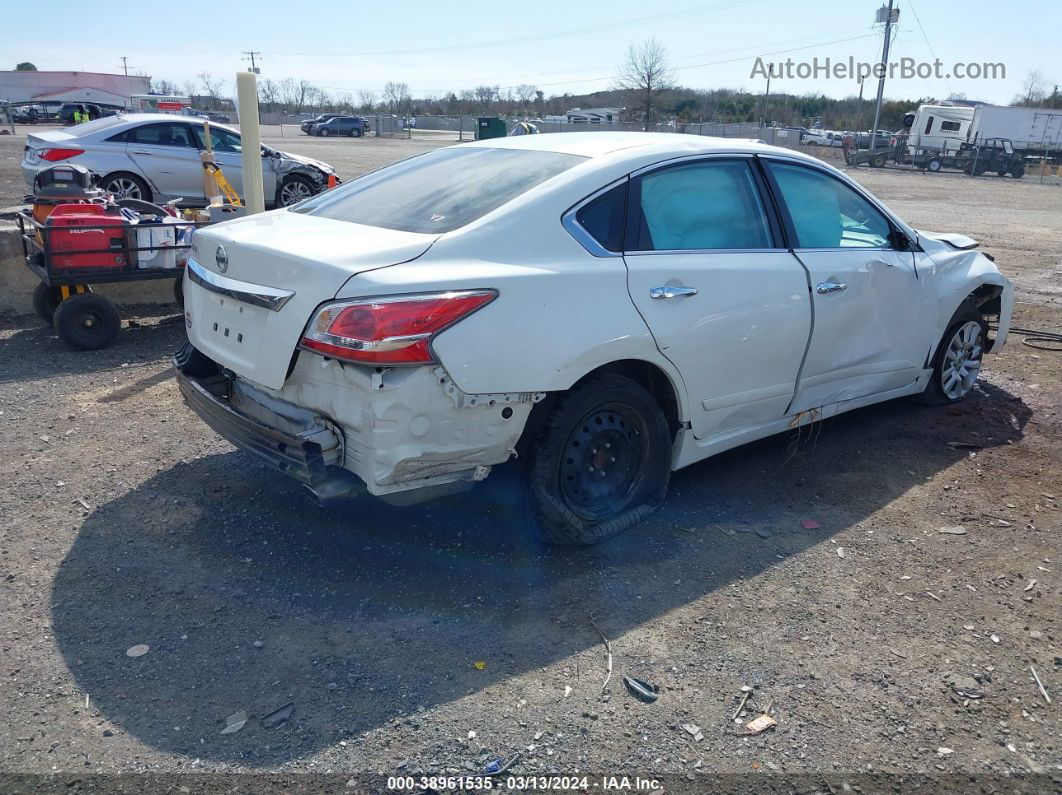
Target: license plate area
<point>228,331</point>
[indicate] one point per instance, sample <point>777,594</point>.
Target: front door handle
<point>669,291</point>
<point>825,288</point>
<point>141,153</point>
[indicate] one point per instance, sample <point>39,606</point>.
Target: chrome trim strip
<point>575,229</point>
<point>269,298</point>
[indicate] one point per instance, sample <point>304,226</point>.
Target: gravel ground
<point>883,644</point>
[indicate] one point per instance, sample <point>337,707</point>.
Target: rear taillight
<point>390,330</point>
<point>51,155</point>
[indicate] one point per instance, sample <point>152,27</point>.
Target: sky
<point>561,46</point>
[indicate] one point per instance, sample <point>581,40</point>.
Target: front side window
<point>221,140</point>
<point>950,126</point>
<point>704,205</point>
<point>826,213</point>
<point>439,191</point>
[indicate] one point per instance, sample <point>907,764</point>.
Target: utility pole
<point>125,65</point>
<point>767,93</point>
<point>250,55</point>
<point>861,83</point>
<point>881,79</point>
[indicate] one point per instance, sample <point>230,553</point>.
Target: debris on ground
<point>840,552</point>
<point>809,524</point>
<point>479,665</point>
<point>278,716</point>
<point>608,651</point>
<point>693,730</point>
<point>965,446</point>
<point>746,694</point>
<point>944,751</point>
<point>139,650</point>
<point>957,530</point>
<point>641,689</point>
<point>235,722</point>
<point>759,725</point>
<point>499,766</point>
<point>567,690</point>
<point>1039,684</point>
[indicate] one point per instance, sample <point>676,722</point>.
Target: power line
<point>611,75</point>
<point>930,46</point>
<point>663,17</point>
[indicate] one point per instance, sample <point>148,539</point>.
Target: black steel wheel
<point>601,464</point>
<point>87,322</point>
<point>45,300</point>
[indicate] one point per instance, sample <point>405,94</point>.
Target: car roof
<point>601,144</point>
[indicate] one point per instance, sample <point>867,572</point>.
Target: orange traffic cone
<point>331,181</point>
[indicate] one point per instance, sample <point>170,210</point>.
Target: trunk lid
<point>308,256</point>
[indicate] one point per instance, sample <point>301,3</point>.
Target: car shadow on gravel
<point>364,613</point>
<point>31,350</point>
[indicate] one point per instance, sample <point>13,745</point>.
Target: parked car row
<point>156,157</point>
<point>336,124</point>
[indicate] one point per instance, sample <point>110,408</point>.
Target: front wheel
<point>323,133</point>
<point>957,362</point>
<point>294,190</point>
<point>601,463</point>
<point>934,165</point>
<point>1018,171</point>
<point>87,322</point>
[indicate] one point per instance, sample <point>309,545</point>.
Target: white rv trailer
<point>939,129</point>
<point>942,129</point>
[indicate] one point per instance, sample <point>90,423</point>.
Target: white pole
<point>251,140</point>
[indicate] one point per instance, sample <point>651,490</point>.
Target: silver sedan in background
<point>156,157</point>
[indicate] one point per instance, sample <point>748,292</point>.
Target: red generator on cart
<point>84,236</point>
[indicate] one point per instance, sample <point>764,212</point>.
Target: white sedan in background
<point>613,306</point>
<point>156,157</point>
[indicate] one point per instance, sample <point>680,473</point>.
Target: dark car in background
<point>308,125</point>
<point>354,126</point>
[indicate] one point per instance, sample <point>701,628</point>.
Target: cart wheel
<point>178,291</point>
<point>87,322</point>
<point>45,300</point>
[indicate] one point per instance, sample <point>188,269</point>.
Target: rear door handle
<point>669,291</point>
<point>141,153</point>
<point>825,288</point>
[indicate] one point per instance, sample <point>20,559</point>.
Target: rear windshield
<point>440,191</point>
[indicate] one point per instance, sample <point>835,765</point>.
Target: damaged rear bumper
<point>307,447</point>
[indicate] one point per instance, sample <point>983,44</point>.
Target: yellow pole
<point>251,141</point>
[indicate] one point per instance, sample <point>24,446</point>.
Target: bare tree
<point>164,87</point>
<point>1033,90</point>
<point>397,95</point>
<point>525,93</point>
<point>189,87</point>
<point>212,87</point>
<point>485,95</point>
<point>644,76</point>
<point>366,100</point>
<point>268,93</point>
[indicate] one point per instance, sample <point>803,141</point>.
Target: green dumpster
<point>490,127</point>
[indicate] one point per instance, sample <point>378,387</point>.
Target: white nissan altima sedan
<point>613,306</point>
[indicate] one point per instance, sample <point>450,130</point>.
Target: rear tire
<point>934,165</point>
<point>1018,171</point>
<point>87,322</point>
<point>323,133</point>
<point>45,301</point>
<point>957,361</point>
<point>600,464</point>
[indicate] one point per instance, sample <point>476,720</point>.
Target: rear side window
<point>706,205</point>
<point>603,217</point>
<point>163,134</point>
<point>440,191</point>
